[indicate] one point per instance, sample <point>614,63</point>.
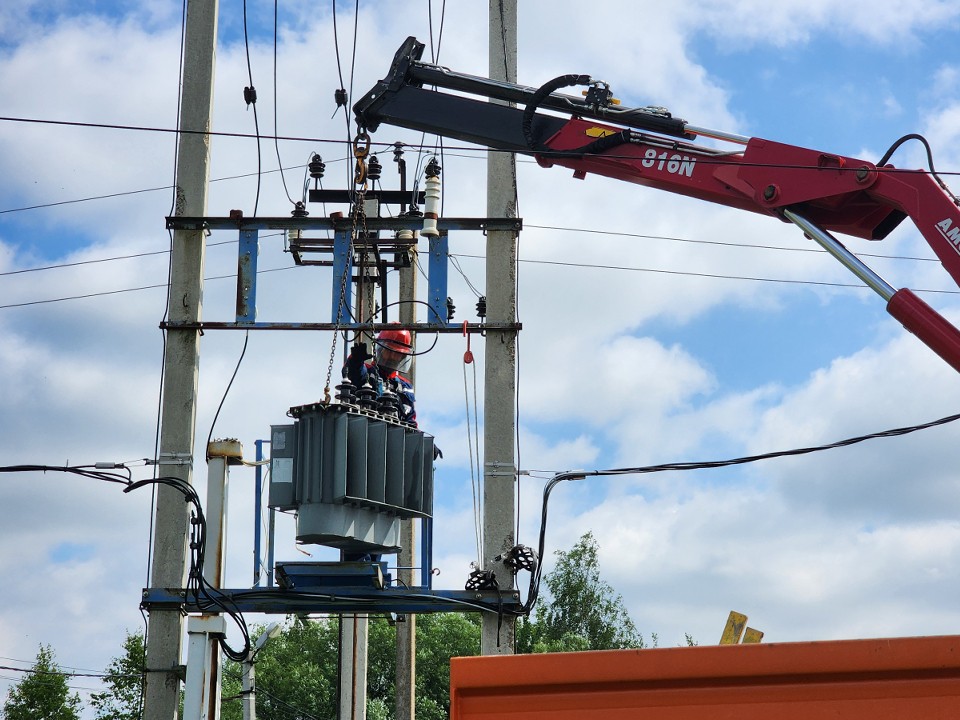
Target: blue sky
<point>618,368</point>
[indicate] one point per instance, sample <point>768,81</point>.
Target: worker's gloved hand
<point>437,453</point>
<point>355,361</point>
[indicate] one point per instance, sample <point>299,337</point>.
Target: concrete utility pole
<point>406,680</point>
<point>499,473</point>
<point>355,628</point>
<point>181,361</point>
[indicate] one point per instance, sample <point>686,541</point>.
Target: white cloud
<point>852,542</point>
<point>798,21</point>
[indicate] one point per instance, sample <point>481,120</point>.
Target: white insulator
<point>293,236</point>
<point>431,208</point>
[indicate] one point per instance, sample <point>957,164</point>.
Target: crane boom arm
<point>820,192</point>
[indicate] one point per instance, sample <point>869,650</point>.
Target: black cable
<point>705,160</point>
<point>206,597</point>
<point>250,95</point>
<point>713,276</point>
<point>89,471</point>
<point>720,243</point>
<point>176,142</point>
<point>534,589</point>
<point>914,136</point>
<point>346,103</point>
<point>246,339</point>
<point>276,143</point>
<point>137,289</point>
<point>161,187</point>
<point>117,257</point>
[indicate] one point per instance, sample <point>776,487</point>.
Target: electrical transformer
<point>350,475</point>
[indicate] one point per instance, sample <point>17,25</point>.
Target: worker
<point>391,361</point>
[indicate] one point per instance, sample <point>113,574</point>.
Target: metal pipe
<point>270,541</point>
<point>833,246</point>
<point>257,512</point>
<point>717,134</point>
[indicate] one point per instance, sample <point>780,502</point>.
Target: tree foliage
<point>123,698</point>
<point>43,693</point>
<point>296,672</point>
<point>581,611</point>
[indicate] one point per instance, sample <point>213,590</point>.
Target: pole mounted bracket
<point>173,458</point>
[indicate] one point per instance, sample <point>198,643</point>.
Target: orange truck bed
<point>883,679</point>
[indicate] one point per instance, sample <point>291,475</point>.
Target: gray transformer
<point>351,476</point>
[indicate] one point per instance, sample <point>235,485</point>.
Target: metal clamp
<point>174,458</point>
<point>498,469</point>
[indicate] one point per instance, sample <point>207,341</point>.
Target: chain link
<point>361,149</point>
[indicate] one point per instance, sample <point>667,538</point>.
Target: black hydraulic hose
<point>538,97</point>
<point>544,91</point>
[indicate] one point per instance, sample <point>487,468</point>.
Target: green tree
<point>296,674</point>
<point>123,698</point>
<point>297,670</point>
<point>581,611</point>
<point>43,693</point>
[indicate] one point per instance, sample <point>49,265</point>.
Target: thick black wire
<point>276,143</point>
<point>535,576</point>
<point>346,105</point>
<point>914,136</point>
<point>256,122</point>
<point>246,339</point>
<point>206,596</point>
<point>197,585</point>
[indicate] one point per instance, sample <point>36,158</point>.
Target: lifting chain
<point>361,149</point>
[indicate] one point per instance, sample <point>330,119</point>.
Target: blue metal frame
<point>437,280</point>
<point>257,510</point>
<point>342,269</point>
<point>248,253</point>
<point>342,262</point>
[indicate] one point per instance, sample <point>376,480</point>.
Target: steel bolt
<point>770,192</point>
<point>862,174</point>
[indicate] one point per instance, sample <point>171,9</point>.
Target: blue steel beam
<point>247,276</point>
<point>437,280</point>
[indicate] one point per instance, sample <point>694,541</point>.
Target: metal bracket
<point>498,469</point>
<point>175,458</point>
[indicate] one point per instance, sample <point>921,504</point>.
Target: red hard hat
<point>398,340</point>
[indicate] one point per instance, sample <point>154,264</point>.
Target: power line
<point>146,190</point>
<point>467,148</point>
<point>720,242</point>
<point>611,233</point>
<point>682,273</point>
<point>147,128</point>
<point>717,276</point>
<point>124,290</point>
<point>62,673</point>
<point>95,261</point>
